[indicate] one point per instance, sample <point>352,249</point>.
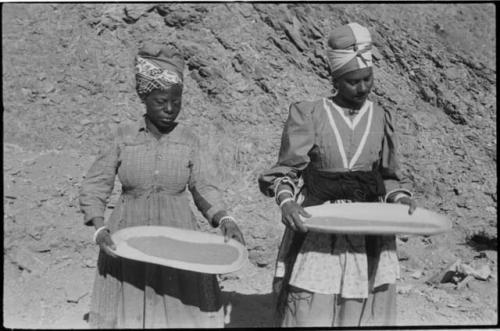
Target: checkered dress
<point>156,175</point>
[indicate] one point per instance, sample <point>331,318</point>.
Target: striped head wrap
<point>157,68</point>
<point>349,49</point>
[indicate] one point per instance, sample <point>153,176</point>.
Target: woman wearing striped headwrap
<point>342,149</point>
<point>155,159</point>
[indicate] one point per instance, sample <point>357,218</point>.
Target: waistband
<point>155,189</point>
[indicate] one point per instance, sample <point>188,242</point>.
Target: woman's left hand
<point>231,231</point>
<point>408,201</point>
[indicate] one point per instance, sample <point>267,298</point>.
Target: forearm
<point>97,186</point>
<point>216,219</point>
<point>212,212</point>
<point>284,191</point>
<point>395,190</point>
<point>97,222</point>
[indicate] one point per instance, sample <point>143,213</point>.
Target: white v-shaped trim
<point>367,107</point>
<point>337,135</point>
<point>352,124</point>
<point>362,143</point>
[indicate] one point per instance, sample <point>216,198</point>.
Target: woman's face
<point>354,87</point>
<point>163,107</point>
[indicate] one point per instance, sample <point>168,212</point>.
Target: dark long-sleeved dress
<point>156,175</point>
<point>319,137</point>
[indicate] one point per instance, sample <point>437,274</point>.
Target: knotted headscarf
<point>349,49</point>
<point>157,67</point>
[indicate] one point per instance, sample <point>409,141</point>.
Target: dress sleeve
<point>389,166</point>
<point>206,196</point>
<point>98,184</point>
<point>297,140</point>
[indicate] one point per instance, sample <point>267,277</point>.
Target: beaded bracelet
<point>225,219</point>
<point>98,231</point>
<point>399,196</point>
<point>285,201</point>
<point>391,195</point>
<point>281,192</point>
<point>283,180</point>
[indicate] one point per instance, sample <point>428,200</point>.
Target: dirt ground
<point>68,82</point>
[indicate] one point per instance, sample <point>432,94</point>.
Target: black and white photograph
<point>240,164</point>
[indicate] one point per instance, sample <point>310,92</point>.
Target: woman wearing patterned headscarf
<point>342,149</point>
<point>155,160</point>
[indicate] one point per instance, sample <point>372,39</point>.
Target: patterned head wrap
<point>349,49</point>
<point>157,68</point>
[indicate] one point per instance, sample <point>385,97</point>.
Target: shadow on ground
<point>250,310</point>
<point>247,310</point>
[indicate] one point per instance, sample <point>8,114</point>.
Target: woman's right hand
<point>290,216</point>
<point>105,242</point>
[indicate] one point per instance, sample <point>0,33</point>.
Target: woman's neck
<point>349,109</point>
<point>347,105</point>
<point>157,132</point>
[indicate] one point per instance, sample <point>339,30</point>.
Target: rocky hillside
<point>68,82</point>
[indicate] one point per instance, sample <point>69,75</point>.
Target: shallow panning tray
<point>374,218</point>
<point>180,249</point>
